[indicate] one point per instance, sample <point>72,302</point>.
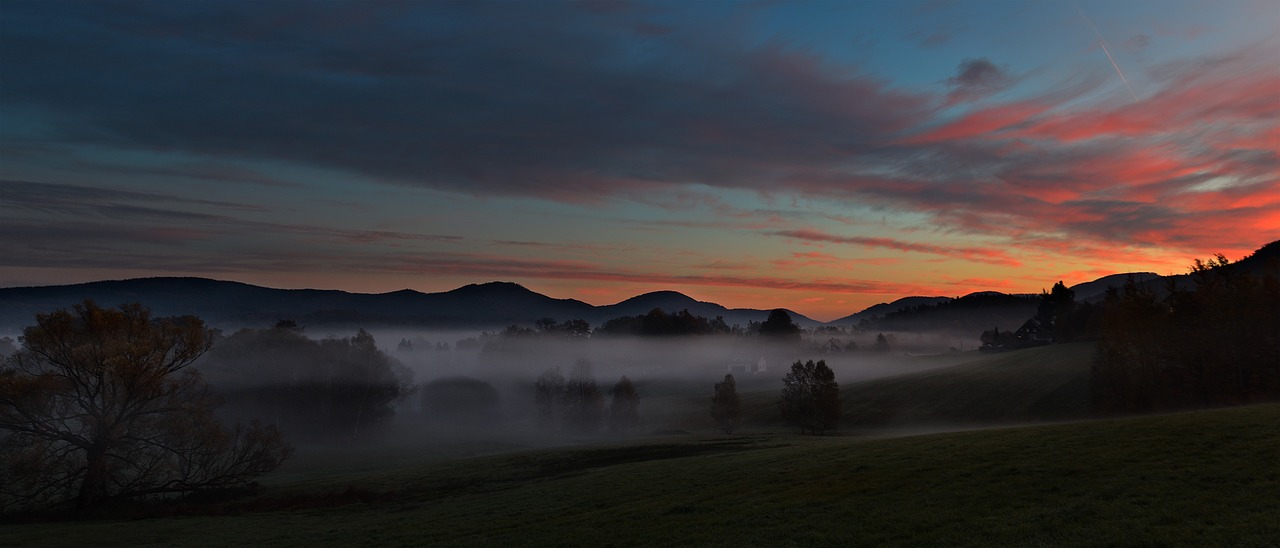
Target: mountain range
<point>228,304</point>
<point>477,306</point>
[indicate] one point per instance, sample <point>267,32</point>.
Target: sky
<point>819,156</point>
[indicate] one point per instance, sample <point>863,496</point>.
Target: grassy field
<point>1048,383</point>
<point>953,391</point>
<point>1194,479</point>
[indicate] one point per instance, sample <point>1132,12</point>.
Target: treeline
<point>313,389</point>
<point>576,404</point>
<point>1058,319</point>
<point>810,400</point>
<point>655,323</point>
<point>1217,343</point>
<point>659,323</point>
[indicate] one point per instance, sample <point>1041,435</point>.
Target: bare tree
<point>100,404</point>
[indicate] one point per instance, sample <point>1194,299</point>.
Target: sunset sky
<point>820,156</point>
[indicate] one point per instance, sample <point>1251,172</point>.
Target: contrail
<point>1103,43</point>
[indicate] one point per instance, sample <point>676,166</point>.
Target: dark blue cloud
<point>549,99</point>
<point>978,78</point>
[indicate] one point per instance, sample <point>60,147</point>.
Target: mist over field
<point>439,387</point>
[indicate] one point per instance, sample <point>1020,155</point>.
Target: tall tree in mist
<point>624,413</point>
<point>725,407</point>
<point>583,402</point>
<point>882,343</point>
<point>811,397</point>
<point>548,396</point>
<point>101,404</point>
<point>778,326</point>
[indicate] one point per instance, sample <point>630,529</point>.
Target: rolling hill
<point>224,303</point>
<point>498,304</point>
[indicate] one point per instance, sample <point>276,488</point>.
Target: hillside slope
<point>1046,383</point>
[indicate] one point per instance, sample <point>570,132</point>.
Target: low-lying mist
<point>475,392</point>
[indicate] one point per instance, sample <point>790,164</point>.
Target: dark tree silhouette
<point>315,389</point>
<point>811,397</point>
<point>726,409</point>
<point>882,343</point>
<point>624,411</point>
<point>583,402</point>
<point>548,396</point>
<point>1214,345</point>
<point>658,323</point>
<point>101,404</point>
<point>779,326</point>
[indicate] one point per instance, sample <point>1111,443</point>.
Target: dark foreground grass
<point>1197,479</point>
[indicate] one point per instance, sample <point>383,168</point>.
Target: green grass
<point>1197,479</point>
<point>1049,383</point>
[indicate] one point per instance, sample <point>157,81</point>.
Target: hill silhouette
<point>674,301</point>
<point>498,304</point>
<point>885,308</point>
<point>227,303</point>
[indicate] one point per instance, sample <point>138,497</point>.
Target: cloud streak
<point>975,254</point>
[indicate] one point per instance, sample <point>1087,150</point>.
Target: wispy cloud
<point>992,256</point>
<point>596,107</point>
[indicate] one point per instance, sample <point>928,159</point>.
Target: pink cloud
<point>975,254</point>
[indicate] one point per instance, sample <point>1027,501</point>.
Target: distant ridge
<point>491,305</point>
<point>1095,290</point>
<point>674,301</point>
<point>885,308</point>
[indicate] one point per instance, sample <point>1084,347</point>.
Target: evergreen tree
<point>882,343</point>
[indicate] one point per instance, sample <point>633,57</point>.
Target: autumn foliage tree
<point>100,404</point>
<point>726,409</point>
<point>811,397</point>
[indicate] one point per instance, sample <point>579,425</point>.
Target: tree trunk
<point>94,487</point>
